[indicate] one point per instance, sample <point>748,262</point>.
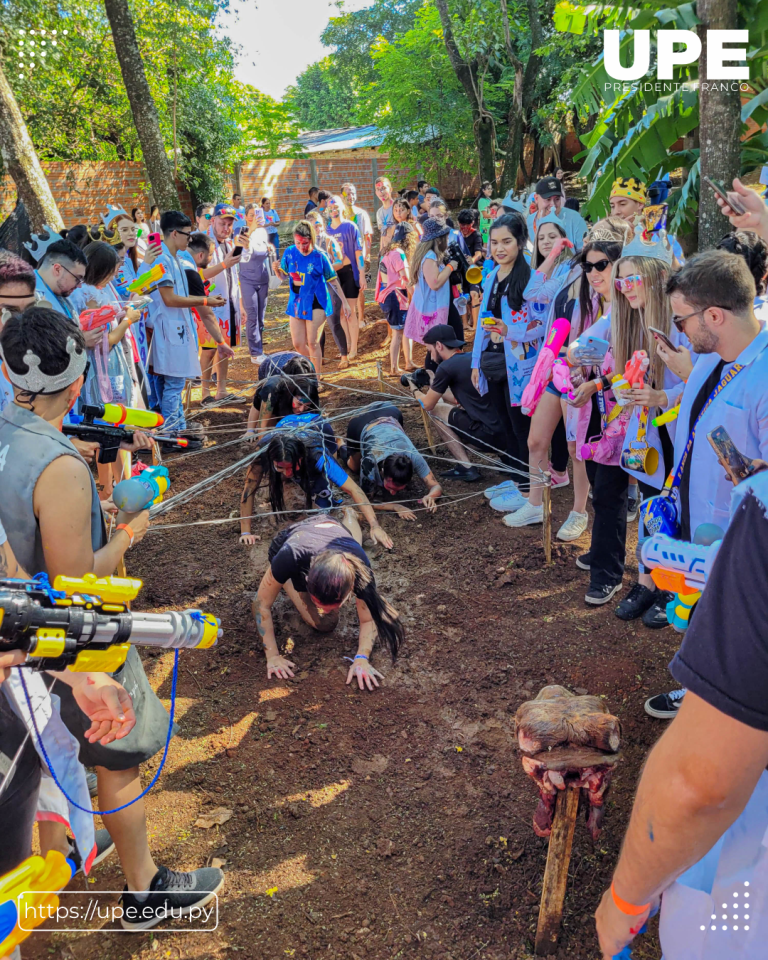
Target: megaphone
<point>474,275</point>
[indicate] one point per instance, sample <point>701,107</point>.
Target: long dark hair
<point>297,379</point>
<point>587,311</point>
<point>287,450</point>
<point>521,271</point>
<point>333,574</point>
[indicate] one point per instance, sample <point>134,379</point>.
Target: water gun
<point>667,417</point>
<point>588,352</point>
<point>107,423</point>
<point>144,283</point>
<point>25,894</point>
<point>84,623</point>
<point>682,568</point>
<point>137,493</point>
<point>561,377</point>
<point>542,371</point>
<point>632,378</point>
<point>98,317</point>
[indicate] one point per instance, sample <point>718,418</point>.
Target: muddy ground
<point>384,825</point>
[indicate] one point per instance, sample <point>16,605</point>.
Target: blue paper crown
<point>655,249</point>
<point>40,243</point>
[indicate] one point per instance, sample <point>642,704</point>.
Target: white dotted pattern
<point>32,52</point>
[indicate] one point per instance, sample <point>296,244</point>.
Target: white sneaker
<point>260,359</point>
<point>507,487</point>
<point>511,500</point>
<point>574,526</point>
<point>525,516</point>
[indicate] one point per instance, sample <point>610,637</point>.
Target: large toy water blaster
<point>27,899</point>
<point>112,424</point>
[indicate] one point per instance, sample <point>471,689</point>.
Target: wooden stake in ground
<point>556,872</point>
<point>428,430</point>
<point>547,507</point>
<point>380,376</point>
<point>188,396</point>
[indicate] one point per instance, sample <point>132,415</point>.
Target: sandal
<point>206,400</point>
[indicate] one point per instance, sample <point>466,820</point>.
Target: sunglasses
<point>679,321</point>
<point>600,266</point>
<point>625,284</point>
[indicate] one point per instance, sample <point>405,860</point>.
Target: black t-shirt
<point>498,294</point>
<point>310,206</point>
<point>724,655</point>
<point>264,395</point>
<point>195,283</point>
<point>456,373</point>
<point>685,481</point>
<point>293,549</point>
<point>473,242</point>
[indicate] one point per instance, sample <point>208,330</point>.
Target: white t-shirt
<point>385,218</point>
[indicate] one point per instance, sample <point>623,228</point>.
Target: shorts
<point>474,433</point>
<point>395,313</point>
<point>18,802</point>
<point>146,738</point>
<point>360,422</point>
<point>551,388</point>
<point>346,277</point>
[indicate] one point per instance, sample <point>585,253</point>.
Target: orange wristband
<point>128,530</point>
<point>630,909</point>
<point>205,301</point>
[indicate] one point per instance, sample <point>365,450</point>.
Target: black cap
<point>445,334</point>
<point>549,187</point>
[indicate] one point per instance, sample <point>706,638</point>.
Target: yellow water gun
<point>26,897</point>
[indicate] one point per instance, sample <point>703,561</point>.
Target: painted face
<point>625,208</point>
<point>504,246</point>
<point>350,195</point>
<point>384,192</point>
<point>303,243</point>
<point>333,207</point>
<point>128,232</point>
<point>630,284</point>
<point>391,487</point>
<point>299,406</point>
<point>467,229</point>
<point>285,468</point>
<point>327,607</point>
<point>548,235</point>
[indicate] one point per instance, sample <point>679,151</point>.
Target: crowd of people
<point>653,352</point>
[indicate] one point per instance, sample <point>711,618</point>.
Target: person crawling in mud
<point>320,563</point>
<point>290,389</point>
<point>379,448</point>
<point>301,449</point>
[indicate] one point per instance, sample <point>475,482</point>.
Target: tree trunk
<point>159,169</point>
<point>483,127</point>
<point>719,124</point>
<point>20,160</point>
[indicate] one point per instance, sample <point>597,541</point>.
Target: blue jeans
<point>169,390</point>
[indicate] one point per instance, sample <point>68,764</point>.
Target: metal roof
<point>343,138</point>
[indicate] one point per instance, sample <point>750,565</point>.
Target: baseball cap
<point>445,334</point>
<point>225,210</point>
<point>549,187</point>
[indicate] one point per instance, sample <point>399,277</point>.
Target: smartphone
<point>664,339</point>
<point>736,465</point>
<point>735,204</point>
<point>155,238</point>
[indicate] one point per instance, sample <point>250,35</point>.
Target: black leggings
<point>334,324</point>
<point>516,427</point>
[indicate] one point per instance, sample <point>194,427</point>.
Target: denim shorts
<point>395,313</point>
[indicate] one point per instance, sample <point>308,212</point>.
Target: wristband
<point>128,530</point>
<point>630,909</point>
<point>205,301</point>
<point>360,656</point>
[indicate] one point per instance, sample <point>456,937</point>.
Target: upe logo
<point>667,58</point>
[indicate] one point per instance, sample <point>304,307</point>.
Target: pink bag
<point>417,323</point>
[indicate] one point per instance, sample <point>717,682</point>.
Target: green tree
<point>322,97</point>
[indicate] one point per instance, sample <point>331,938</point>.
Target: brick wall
<point>83,190</point>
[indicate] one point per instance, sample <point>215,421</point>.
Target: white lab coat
<point>174,348</point>
<point>742,408</point>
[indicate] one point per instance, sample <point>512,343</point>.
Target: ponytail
<point>333,575</point>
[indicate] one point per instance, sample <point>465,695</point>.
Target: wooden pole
<point>157,457</point>
<point>380,376</point>
<point>428,430</point>
<point>188,396</point>
<point>547,506</point>
<point>556,872</point>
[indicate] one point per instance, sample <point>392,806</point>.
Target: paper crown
<point>655,249</point>
<point>35,381</point>
<point>112,213</point>
<point>552,217</point>
<point>40,243</point>
<point>629,187</point>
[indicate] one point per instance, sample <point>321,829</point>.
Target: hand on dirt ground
<point>430,503</point>
<point>380,535</point>
<point>279,667</point>
<point>248,539</point>
<point>614,928</point>
<point>404,513</point>
<point>365,673</point>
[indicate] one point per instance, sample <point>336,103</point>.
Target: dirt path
<point>388,825</point>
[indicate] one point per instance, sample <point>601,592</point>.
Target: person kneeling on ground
<point>294,389</point>
<point>320,563</point>
<point>304,455</point>
<point>378,446</point>
<point>473,417</point>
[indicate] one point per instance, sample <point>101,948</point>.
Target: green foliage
<point>323,97</point>
<point>76,106</point>
<point>428,125</point>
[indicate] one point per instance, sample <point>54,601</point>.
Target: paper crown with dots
<point>40,243</point>
<point>642,245</point>
<point>112,214</point>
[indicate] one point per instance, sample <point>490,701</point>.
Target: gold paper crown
<point>629,187</point>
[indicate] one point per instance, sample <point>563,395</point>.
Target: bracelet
<point>630,909</point>
<point>128,530</point>
<point>360,656</point>
<point>205,301</point>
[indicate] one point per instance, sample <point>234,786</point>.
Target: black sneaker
<point>664,706</point>
<point>655,617</point>
<point>104,846</point>
<point>342,455</point>
<point>467,474</point>
<point>584,562</point>
<point>93,782</point>
<point>597,596</point>
<point>171,894</point>
<point>637,601</point>
<point>633,508</point>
